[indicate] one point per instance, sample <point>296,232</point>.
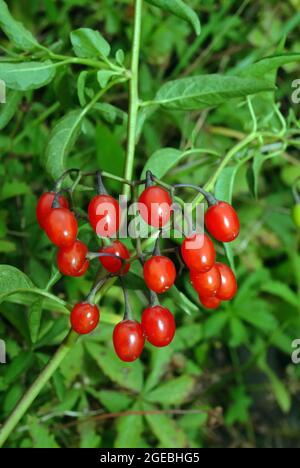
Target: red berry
<point>111,264</point>
<point>211,303</point>
<point>104,214</point>
<point>44,206</point>
<point>222,222</point>
<point>198,253</point>
<point>159,274</point>
<point>206,284</point>
<point>228,288</point>
<point>72,260</point>
<point>61,227</point>
<point>155,206</point>
<point>128,339</point>
<point>84,318</point>
<point>159,326</point>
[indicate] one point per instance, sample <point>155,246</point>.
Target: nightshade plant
<point>83,86</point>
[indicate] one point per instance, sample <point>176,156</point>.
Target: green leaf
<point>165,429</point>
<point>215,324</point>
<point>34,319</point>
<point>162,161</point>
<point>110,113</point>
<point>128,376</point>
<point>113,401</point>
<point>174,392</point>
<point>16,32</point>
<point>7,246</point>
<point>202,92</point>
<point>62,138</point>
<point>11,280</point>
<point>281,394</point>
<point>88,43</point>
<point>239,409</point>
<point>182,301</point>
<point>256,315</point>
<point>268,64</point>
<point>238,332</point>
<point>18,367</point>
<point>104,76</point>
<point>81,82</point>
<point>88,435</point>
<point>9,109</point>
<point>27,75</point>
<point>14,189</point>
<point>41,436</point>
<point>180,9</point>
<point>129,429</point>
<point>225,183</point>
<point>160,359</point>
<point>281,290</point>
<point>109,151</point>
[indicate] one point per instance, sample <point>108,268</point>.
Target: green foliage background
<point>228,378</point>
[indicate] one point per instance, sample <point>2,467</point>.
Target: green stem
<point>37,386</point>
<point>134,95</point>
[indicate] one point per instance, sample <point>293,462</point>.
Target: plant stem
<point>37,386</point>
<point>134,95</point>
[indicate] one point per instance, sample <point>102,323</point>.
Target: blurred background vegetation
<point>227,380</point>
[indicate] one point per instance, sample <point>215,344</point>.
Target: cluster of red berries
<point>214,282</point>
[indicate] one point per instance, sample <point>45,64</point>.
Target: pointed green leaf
<point>62,138</point>
<point>27,75</point>
<point>15,31</point>
<point>129,429</point>
<point>174,392</point>
<point>9,109</point>
<point>88,43</point>
<point>180,9</point>
<point>202,92</point>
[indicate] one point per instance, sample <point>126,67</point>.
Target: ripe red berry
<point>159,326</point>
<point>111,264</point>
<point>211,303</point>
<point>206,284</point>
<point>44,206</point>
<point>222,222</point>
<point>228,288</point>
<point>72,260</point>
<point>128,339</point>
<point>198,253</point>
<point>104,215</point>
<point>61,227</point>
<point>155,206</point>
<point>84,318</point>
<point>159,274</point>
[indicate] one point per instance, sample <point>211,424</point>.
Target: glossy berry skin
<point>228,288</point>
<point>206,284</point>
<point>61,227</point>
<point>159,326</point>
<point>113,265</point>
<point>159,274</point>
<point>296,215</point>
<point>129,340</point>
<point>222,222</point>
<point>211,303</point>
<point>84,318</point>
<point>155,206</point>
<point>198,253</point>
<point>44,206</point>
<point>104,215</point>
<point>72,260</point>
